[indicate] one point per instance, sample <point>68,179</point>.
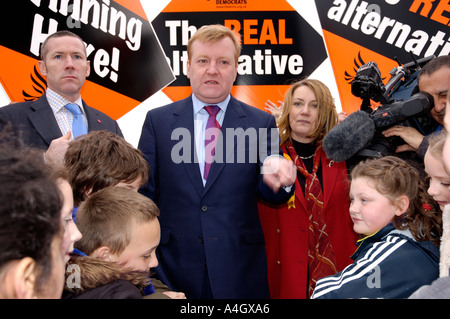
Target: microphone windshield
<point>349,136</point>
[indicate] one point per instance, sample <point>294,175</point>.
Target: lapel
<point>43,120</point>
<point>235,117</point>
<point>299,195</point>
<point>329,176</point>
<point>92,115</point>
<point>183,117</point>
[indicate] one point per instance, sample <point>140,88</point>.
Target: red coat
<point>286,233</point>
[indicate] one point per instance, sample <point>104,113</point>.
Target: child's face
<point>439,180</point>
<point>71,232</point>
<point>140,254</point>
<point>370,210</point>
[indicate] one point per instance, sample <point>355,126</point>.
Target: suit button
<point>200,239</point>
<point>204,208</point>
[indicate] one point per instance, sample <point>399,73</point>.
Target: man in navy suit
<point>212,244</point>
<point>46,122</point>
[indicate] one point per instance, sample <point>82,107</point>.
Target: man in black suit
<point>46,123</point>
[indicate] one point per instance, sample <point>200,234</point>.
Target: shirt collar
<point>198,105</point>
<point>57,101</point>
<point>375,237</point>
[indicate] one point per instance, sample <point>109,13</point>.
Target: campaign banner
<point>388,32</point>
<point>278,45</point>
<point>128,64</point>
<point>138,63</point>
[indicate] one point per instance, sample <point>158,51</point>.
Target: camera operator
<point>434,78</point>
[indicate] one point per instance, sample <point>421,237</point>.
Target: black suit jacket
<point>35,123</point>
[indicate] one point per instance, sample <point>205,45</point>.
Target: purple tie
<point>211,136</point>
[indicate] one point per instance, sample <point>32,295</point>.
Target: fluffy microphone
<point>349,136</point>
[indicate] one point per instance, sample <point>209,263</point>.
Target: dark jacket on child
<point>93,278</point>
<point>387,264</point>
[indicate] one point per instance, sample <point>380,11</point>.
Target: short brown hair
<point>59,34</point>
<point>101,159</point>
<point>107,216</point>
<point>213,33</point>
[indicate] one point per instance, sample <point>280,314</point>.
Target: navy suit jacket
<point>35,123</point>
<point>217,224</point>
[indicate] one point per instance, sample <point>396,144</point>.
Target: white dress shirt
<point>62,115</point>
<point>200,120</point>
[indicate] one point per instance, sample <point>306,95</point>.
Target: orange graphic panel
<point>344,59</point>
<point>176,93</point>
<point>17,70</point>
<point>22,81</point>
<point>106,100</point>
<point>257,95</point>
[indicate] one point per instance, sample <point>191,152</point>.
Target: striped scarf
<point>321,258</point>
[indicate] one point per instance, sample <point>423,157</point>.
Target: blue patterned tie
<point>78,125</point>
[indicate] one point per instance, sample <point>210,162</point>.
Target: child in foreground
<point>120,232</point>
<point>437,166</point>
<point>439,188</point>
<point>401,225</point>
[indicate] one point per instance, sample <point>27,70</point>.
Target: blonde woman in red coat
<point>312,235</point>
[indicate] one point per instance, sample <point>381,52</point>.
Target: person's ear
<point>42,67</point>
<point>103,253</point>
<point>24,278</point>
<point>402,205</point>
<point>88,69</point>
<point>87,192</point>
<point>188,68</point>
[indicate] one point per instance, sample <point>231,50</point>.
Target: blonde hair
<point>436,147</point>
<point>212,34</point>
<point>393,177</point>
<point>328,117</point>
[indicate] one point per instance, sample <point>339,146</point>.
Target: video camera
<point>399,106</point>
